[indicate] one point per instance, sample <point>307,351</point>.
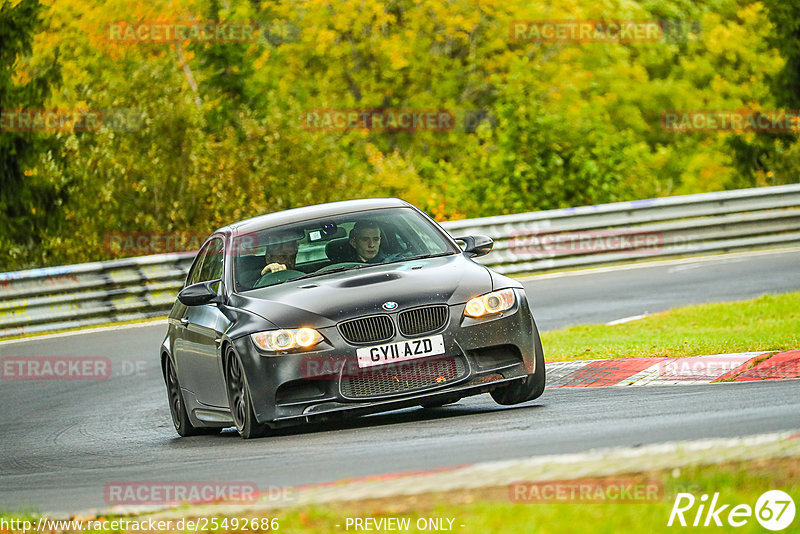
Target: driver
<point>281,256</point>
<point>365,241</point>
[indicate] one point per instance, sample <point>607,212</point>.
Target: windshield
<point>332,244</point>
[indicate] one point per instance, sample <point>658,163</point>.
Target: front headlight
<point>490,303</point>
<point>286,339</point>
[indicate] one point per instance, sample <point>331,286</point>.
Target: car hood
<point>328,299</point>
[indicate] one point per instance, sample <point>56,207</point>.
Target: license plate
<point>400,351</point>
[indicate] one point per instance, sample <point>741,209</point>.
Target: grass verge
<point>491,509</point>
<point>770,322</point>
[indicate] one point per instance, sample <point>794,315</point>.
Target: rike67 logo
<point>774,510</point>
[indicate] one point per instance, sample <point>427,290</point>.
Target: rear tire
<point>239,398</point>
<point>524,390</point>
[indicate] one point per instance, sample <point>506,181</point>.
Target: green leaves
<point>209,132</point>
<point>28,200</point>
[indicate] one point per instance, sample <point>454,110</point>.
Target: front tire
<point>239,398</point>
<point>177,406</point>
<point>525,390</point>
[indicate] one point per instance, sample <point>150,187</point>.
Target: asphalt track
<point>64,441</point>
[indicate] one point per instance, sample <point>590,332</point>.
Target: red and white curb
<point>741,367</point>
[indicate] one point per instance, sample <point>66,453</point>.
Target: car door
<point>179,318</point>
<point>200,360</point>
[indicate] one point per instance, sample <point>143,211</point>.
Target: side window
<point>194,272</point>
<point>404,246</point>
<point>212,262</point>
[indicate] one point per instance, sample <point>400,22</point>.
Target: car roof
<point>294,215</point>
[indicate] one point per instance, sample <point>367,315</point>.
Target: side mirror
<point>199,294</point>
<point>476,245</point>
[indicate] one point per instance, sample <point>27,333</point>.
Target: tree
<point>769,158</point>
<point>28,204</point>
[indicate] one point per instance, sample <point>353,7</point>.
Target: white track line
<point>660,263</point>
<point>112,328</point>
<point>626,320</point>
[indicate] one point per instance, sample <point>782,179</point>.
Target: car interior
<point>325,246</point>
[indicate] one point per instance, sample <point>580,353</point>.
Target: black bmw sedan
<point>350,307</point>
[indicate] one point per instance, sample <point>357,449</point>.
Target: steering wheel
<point>277,277</point>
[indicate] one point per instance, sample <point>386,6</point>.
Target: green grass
<point>490,510</point>
<point>771,322</point>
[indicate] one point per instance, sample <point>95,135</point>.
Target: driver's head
<point>284,252</point>
<point>365,238</point>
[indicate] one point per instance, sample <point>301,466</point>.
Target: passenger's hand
<point>273,268</point>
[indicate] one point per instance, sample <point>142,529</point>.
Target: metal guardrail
<point>667,227</point>
<point>135,288</point>
<point>54,298</point>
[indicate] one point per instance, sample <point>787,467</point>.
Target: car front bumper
<point>480,355</point>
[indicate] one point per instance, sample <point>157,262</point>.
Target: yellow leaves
<point>374,155</point>
<point>706,171</point>
<point>398,59</point>
<point>383,19</point>
<point>20,77</point>
<point>398,52</point>
<point>341,22</point>
<point>324,39</point>
<point>555,98</point>
<point>261,60</point>
<point>752,14</point>
<point>393,175</point>
<point>575,110</point>
<point>720,85</point>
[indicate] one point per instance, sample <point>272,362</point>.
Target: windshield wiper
<point>420,257</point>
<point>329,271</point>
<point>362,266</point>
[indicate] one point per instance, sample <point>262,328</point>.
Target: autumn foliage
<point>205,107</point>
